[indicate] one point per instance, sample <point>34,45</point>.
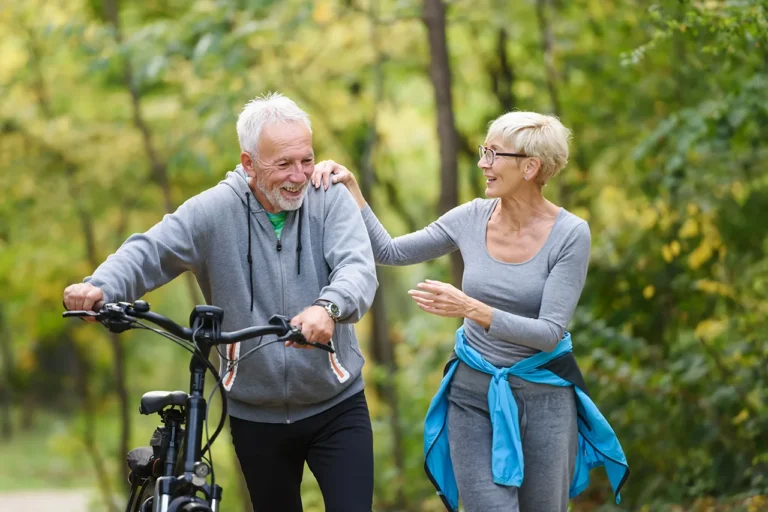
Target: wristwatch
<point>332,309</point>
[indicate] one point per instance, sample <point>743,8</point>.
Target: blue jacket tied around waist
<point>598,445</point>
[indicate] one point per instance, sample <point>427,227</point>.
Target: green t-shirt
<point>278,221</point>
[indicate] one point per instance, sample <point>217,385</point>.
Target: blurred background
<point>114,112</point>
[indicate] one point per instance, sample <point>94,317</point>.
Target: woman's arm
<point>435,240</point>
<point>562,290</point>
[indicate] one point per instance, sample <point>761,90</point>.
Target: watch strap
<point>328,306</point>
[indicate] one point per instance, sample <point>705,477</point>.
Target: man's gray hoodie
<point>323,252</point>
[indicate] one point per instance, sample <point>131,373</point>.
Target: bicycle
<point>168,475</point>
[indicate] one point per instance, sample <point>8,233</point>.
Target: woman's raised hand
<point>328,172</point>
<point>444,299</point>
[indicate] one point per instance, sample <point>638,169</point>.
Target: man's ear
<point>248,164</point>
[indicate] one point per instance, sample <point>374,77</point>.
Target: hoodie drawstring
<point>250,258</point>
<point>298,243</point>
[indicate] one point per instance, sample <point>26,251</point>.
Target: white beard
<point>276,198</point>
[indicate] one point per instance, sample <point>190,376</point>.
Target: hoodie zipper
<point>279,248</point>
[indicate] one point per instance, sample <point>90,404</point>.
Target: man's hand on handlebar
<point>83,296</point>
<point>122,316</point>
<point>315,325</point>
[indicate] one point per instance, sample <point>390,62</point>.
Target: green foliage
<point>667,104</point>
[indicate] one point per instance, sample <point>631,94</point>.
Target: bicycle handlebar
<point>205,331</point>
<point>120,316</point>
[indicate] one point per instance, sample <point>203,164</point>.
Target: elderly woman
<point>522,434</point>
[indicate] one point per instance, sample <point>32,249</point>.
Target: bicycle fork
<point>165,502</point>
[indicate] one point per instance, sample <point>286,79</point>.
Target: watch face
<point>334,309</point>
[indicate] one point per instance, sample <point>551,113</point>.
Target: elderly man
<point>262,242</point>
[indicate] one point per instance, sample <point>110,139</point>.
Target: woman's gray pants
<point>549,435</point>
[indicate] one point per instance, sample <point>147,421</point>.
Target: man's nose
<point>299,174</point>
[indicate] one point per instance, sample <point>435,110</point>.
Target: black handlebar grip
<point>78,313</point>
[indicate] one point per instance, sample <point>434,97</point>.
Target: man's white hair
<point>536,135</point>
<point>262,111</point>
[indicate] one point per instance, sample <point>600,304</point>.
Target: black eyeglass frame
<point>483,152</point>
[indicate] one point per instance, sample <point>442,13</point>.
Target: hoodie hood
<point>238,181</point>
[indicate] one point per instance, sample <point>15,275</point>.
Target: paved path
<point>75,500</point>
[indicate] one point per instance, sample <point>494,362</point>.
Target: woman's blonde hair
<point>536,135</point>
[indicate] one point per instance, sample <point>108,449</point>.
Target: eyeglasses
<point>491,154</point>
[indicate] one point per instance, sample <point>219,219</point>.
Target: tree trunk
<point>118,352</point>
<point>440,75</point>
<point>6,385</point>
<point>123,399</point>
<point>548,50</point>
<point>86,223</point>
<point>502,74</point>
<point>158,166</point>
<point>502,79</point>
<point>159,175</point>
<point>382,349</point>
<point>82,373</point>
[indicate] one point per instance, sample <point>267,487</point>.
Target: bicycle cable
<point>231,368</point>
<point>192,348</point>
<point>195,351</point>
<point>189,347</point>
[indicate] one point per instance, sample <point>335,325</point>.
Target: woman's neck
<point>525,208</point>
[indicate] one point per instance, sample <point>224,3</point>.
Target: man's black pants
<point>337,444</point>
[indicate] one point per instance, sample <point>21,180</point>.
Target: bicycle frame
<point>176,492</point>
<point>195,472</point>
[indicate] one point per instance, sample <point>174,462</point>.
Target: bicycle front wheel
<point>145,500</point>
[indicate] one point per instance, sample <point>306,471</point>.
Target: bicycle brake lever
<point>322,346</point>
<point>295,336</point>
<point>76,313</point>
<point>281,321</point>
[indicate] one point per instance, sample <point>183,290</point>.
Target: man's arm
<point>347,250</point>
<point>149,260</point>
